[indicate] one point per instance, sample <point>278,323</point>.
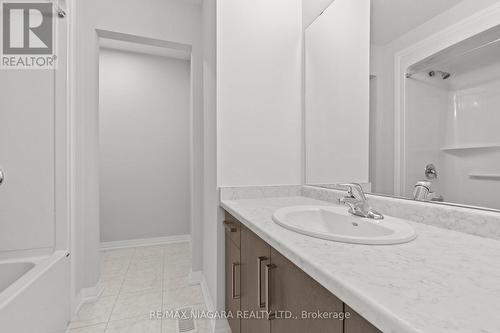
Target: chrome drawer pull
<point>233,279</point>
<point>260,304</point>
<point>267,290</point>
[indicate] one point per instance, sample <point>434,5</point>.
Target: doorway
<point>144,143</point>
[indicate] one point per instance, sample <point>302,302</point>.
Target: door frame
<point>81,154</point>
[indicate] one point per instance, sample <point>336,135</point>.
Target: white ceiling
<point>393,18</point>
<point>144,49</point>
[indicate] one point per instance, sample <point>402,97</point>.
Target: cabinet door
<point>358,324</point>
<point>255,255</point>
<point>233,287</point>
<point>291,289</point>
<point>233,228</point>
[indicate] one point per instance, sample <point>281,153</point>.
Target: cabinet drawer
<point>233,229</point>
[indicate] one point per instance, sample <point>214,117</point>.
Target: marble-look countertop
<point>444,281</point>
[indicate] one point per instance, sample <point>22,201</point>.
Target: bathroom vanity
<point>260,280</point>
<point>443,281</point>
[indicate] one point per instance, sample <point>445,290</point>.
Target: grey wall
<point>144,145</point>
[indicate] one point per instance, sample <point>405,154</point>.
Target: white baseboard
<point>206,294</point>
<point>144,242</point>
<point>216,325</point>
<point>87,295</point>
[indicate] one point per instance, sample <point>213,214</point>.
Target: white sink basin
<point>335,223</point>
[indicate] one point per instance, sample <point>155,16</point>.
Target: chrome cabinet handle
<point>230,226</point>
<point>2,176</point>
<point>267,290</point>
<point>233,279</point>
<point>260,304</point>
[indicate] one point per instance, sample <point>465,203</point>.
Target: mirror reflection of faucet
<point>430,171</point>
<point>423,192</point>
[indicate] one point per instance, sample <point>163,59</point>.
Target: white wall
<point>144,145</point>
<point>383,66</point>
<point>252,108</point>
<point>177,21</point>
<point>34,157</point>
<point>311,9</point>
<point>337,94</point>
<point>213,231</point>
<point>382,130</point>
<point>446,120</point>
<point>259,92</point>
<point>427,104</point>
<point>27,115</point>
<point>471,119</point>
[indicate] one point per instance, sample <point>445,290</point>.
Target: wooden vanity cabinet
<point>255,255</point>
<point>260,279</point>
<point>293,290</point>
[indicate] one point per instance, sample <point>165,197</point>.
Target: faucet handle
<point>355,190</point>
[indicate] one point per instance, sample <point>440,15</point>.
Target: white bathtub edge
<point>21,284</point>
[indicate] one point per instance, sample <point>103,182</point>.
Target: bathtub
<point>35,294</point>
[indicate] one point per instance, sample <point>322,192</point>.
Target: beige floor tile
<point>169,326</point>
<point>176,283</point>
<point>111,287</point>
<point>134,325</point>
<point>114,269</point>
<point>95,312</point>
<point>176,298</point>
<point>145,267</point>
<point>176,248</point>
<point>173,263</point>
<point>174,271</point>
<point>145,283</point>
<point>89,329</point>
<point>117,254</point>
<point>203,326</point>
<point>136,304</point>
<point>136,282</point>
<point>177,254</point>
<point>148,251</point>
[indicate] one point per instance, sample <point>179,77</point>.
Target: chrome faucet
<point>423,192</point>
<point>358,204</point>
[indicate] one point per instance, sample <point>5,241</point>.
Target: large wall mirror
<point>408,102</point>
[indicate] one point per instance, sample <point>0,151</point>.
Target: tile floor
<point>137,281</point>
